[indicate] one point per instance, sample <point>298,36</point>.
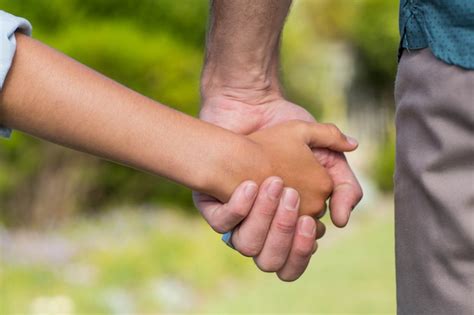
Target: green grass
<point>153,262</point>
<point>353,275</point>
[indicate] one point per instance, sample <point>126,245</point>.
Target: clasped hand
<point>273,218</point>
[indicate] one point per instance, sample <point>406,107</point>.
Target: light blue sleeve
<point>9,24</point>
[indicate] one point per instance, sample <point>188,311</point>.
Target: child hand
<point>284,150</point>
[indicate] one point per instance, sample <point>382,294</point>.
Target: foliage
<point>369,26</point>
<point>156,48</point>
<point>384,164</point>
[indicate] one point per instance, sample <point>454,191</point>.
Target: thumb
<point>329,136</point>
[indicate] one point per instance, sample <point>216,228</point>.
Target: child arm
<point>53,97</point>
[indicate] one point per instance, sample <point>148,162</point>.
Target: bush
<point>384,164</point>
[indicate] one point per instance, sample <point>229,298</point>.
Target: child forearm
<point>51,96</point>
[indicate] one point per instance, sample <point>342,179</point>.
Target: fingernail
<point>308,228</point>
<point>352,141</point>
<point>250,190</point>
<point>275,188</point>
<point>291,199</point>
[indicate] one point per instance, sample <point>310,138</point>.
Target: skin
<point>70,104</point>
<point>241,91</point>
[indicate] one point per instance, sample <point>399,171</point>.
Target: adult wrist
<point>252,82</point>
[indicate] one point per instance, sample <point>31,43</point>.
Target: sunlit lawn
<point>150,262</point>
<point>352,275</point>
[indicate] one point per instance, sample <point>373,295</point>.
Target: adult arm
<point>241,91</point>
<point>241,87</point>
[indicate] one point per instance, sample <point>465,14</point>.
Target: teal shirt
<point>444,26</point>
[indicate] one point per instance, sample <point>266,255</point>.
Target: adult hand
<point>247,116</point>
<point>266,226</point>
<point>261,224</point>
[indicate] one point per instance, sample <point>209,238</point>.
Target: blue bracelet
<point>227,238</point>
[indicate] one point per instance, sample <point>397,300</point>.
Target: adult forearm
<point>242,46</point>
<point>51,96</point>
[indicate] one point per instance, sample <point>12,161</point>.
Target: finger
<point>320,229</point>
<point>280,237</point>
<point>329,136</point>
<point>301,250</point>
<point>249,237</point>
<point>224,217</point>
<point>347,191</point>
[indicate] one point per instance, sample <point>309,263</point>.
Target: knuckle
<point>237,214</point>
<point>302,253</point>
<point>303,126</point>
<point>267,211</point>
<point>333,129</point>
<point>300,126</point>
<point>248,250</point>
<point>270,266</point>
<point>284,227</point>
<point>223,220</point>
<point>219,227</point>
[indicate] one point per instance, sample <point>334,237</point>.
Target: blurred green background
<point>84,236</point>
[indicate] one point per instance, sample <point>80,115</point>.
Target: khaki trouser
<point>434,186</point>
